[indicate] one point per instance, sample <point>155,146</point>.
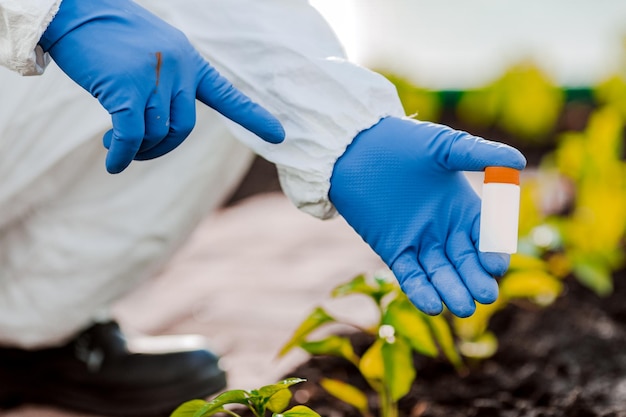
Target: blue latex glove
<point>400,186</point>
<point>147,75</point>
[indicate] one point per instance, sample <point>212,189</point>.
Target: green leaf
<point>399,369</point>
<point>596,277</point>
<point>443,335</point>
<point>537,285</point>
<point>216,404</point>
<point>269,390</point>
<point>279,401</point>
<point>482,347</point>
<point>189,408</point>
<point>359,285</point>
<point>236,396</point>
<point>317,318</point>
<point>298,411</point>
<point>332,345</point>
<point>346,393</point>
<point>371,364</point>
<point>410,324</point>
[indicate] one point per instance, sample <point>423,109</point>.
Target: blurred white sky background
<point>448,44</point>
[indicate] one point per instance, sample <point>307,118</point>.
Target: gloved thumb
<point>459,151</point>
<point>217,92</point>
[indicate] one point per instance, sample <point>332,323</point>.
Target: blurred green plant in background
<point>523,102</point>
<point>592,232</point>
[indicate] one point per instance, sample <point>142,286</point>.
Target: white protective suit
<point>74,238</point>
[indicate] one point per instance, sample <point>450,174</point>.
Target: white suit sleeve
<point>285,56</point>
<point>22,22</point>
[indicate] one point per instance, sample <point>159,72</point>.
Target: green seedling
<point>270,398</point>
<point>387,366</point>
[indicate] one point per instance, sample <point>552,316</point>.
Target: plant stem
<point>254,410</point>
<point>231,413</point>
<point>388,408</point>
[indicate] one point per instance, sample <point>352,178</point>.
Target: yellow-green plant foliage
<point>523,102</point>
<point>593,233</point>
<point>612,92</point>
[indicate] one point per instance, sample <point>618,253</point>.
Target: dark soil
<point>568,359</point>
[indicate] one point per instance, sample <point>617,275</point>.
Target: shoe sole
<point>149,402</point>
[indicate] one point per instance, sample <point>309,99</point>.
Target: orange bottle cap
<point>502,175</point>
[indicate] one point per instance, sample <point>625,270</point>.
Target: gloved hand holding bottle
<point>400,186</point>
<point>148,83</point>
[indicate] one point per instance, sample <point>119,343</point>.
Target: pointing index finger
<point>217,92</point>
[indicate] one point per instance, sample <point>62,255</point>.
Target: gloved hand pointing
<point>400,186</point>
<point>147,75</point>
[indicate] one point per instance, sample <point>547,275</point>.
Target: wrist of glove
<point>400,186</point>
<point>147,75</point>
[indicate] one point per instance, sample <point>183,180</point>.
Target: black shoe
<point>97,373</point>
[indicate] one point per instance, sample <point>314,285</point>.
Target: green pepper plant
<point>400,331</point>
<point>274,398</point>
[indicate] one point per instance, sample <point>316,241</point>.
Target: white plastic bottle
<point>499,214</point>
